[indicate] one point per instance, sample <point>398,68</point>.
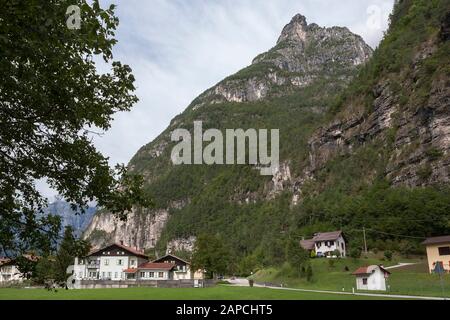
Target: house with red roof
<point>371,278</point>
<point>326,244</point>
<point>107,263</point>
<point>168,267</point>
<point>118,262</point>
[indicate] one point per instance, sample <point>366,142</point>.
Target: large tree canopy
<point>51,99</point>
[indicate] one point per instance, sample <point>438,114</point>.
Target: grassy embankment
<point>215,293</point>
<point>408,280</point>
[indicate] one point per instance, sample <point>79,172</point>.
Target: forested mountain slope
<point>364,141</point>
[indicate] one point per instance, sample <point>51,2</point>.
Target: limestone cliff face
<point>139,231</point>
<point>420,133</point>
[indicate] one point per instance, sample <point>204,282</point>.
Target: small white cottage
<point>371,278</point>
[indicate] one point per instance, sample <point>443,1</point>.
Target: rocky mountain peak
<point>295,30</point>
<point>304,53</point>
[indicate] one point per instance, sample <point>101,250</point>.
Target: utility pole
<point>365,242</point>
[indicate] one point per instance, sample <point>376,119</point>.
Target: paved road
<point>244,282</point>
<point>401,265</point>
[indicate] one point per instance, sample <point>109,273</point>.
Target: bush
<point>331,263</point>
<point>388,255</point>
<point>309,273</point>
<point>355,253</point>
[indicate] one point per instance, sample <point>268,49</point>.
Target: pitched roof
<point>9,261</point>
<point>128,249</point>
<point>156,266</point>
<point>131,270</point>
<point>307,244</point>
<point>327,236</point>
<point>361,271</point>
<point>170,255</point>
<point>437,240</point>
<point>368,270</point>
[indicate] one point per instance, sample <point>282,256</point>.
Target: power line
<point>392,234</point>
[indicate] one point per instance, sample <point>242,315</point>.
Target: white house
<point>182,269</point>
<point>168,267</point>
<point>325,243</point>
<point>150,271</point>
<point>118,262</point>
<point>107,263</point>
<point>371,278</point>
<point>9,271</point>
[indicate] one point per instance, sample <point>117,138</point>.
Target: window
<point>119,262</point>
<point>142,274</point>
<point>109,275</point>
<point>161,275</point>
<point>80,275</point>
<point>106,262</point>
<point>444,251</point>
<point>365,281</point>
<point>152,274</point>
<point>116,275</point>
<point>103,275</point>
<point>133,262</point>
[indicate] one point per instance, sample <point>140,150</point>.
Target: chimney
<point>121,242</point>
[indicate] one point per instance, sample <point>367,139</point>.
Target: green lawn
<point>411,280</point>
<point>215,293</point>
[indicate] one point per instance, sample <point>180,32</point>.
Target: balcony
<point>93,265</point>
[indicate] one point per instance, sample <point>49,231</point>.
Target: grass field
<point>410,280</point>
<point>215,293</point>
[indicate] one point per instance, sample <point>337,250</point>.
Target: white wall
<point>153,275</point>
<point>10,273</point>
<point>324,247</point>
<point>107,267</point>
<point>375,281</point>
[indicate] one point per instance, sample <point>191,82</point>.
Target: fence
<point>104,284</point>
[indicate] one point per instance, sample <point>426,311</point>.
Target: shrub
<point>355,253</point>
<point>336,253</point>
<point>331,263</point>
<point>388,255</point>
<point>309,273</point>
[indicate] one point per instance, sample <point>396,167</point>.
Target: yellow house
<point>438,250</point>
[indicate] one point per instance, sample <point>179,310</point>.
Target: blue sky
<point>179,48</point>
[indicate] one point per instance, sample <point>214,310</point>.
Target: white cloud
<point>177,49</point>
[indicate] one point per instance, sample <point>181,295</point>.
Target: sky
<point>178,49</point>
